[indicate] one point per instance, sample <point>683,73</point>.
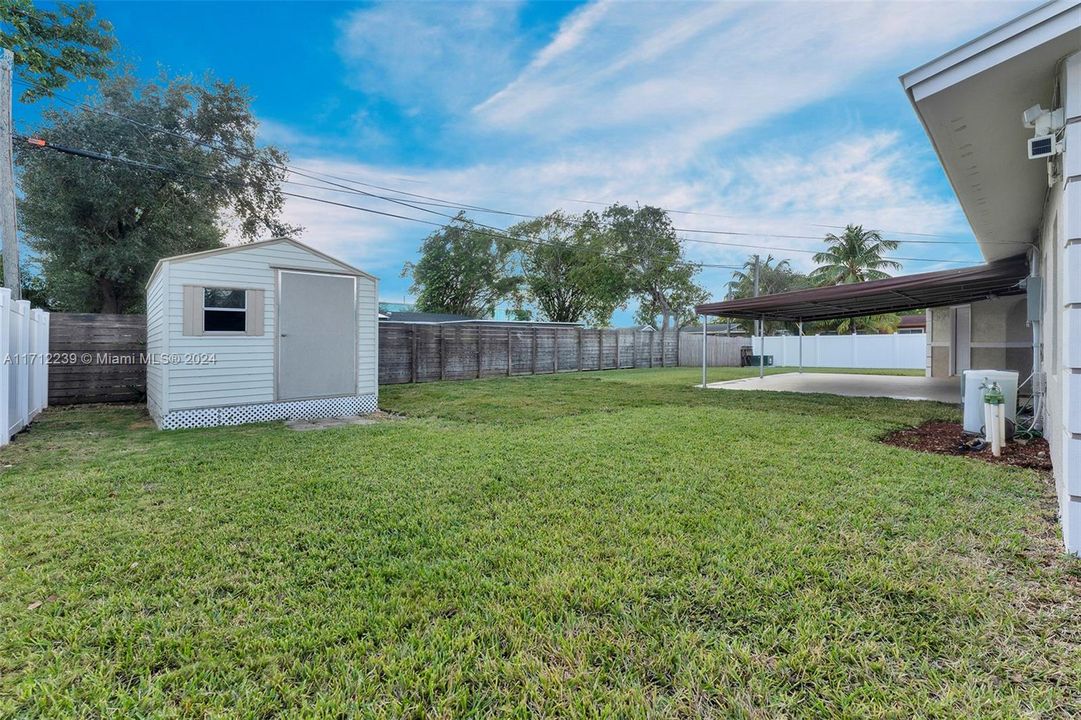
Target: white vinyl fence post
<point>22,391</point>
<point>46,319</point>
<point>5,371</point>
<point>31,364</point>
<point>38,346</point>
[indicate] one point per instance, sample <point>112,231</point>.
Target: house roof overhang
<point>896,294</point>
<point>970,102</point>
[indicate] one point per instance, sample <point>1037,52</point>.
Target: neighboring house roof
<point>874,297</point>
<point>449,319</point>
<point>970,102</point>
<point>389,306</point>
<point>912,321</point>
<point>260,243</point>
<point>426,317</point>
<point>717,328</point>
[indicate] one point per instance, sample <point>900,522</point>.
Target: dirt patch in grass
<point>948,438</point>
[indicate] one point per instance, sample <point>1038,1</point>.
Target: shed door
<point>317,335</point>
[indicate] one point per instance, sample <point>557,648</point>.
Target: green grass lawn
<point>611,544</point>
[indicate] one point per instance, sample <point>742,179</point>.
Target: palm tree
<point>854,256</point>
<point>774,276</point>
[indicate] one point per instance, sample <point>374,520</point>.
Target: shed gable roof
<point>345,267</point>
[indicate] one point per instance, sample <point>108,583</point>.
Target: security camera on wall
<point>1032,115</point>
<point>1044,122</point>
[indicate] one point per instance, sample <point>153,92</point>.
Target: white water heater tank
<point>973,395</point>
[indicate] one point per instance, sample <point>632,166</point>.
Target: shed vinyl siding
<point>156,345</point>
<point>367,336</point>
<point>243,371</point>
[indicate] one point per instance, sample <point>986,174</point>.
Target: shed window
<point>224,310</point>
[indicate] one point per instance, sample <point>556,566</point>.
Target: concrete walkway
<point>900,387</point>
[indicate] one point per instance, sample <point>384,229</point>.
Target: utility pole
<point>8,238</point>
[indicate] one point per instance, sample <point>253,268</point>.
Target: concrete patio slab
<point>899,387</point>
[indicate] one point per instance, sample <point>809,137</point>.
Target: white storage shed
<point>270,330</point>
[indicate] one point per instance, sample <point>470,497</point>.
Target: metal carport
<point>874,297</point>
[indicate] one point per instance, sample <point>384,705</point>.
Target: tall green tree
<point>868,324</point>
<point>53,48</point>
<point>854,256</point>
<point>33,286</point>
<point>774,276</point>
<point>658,274</point>
<point>463,270</point>
<point>568,271</point>
<point>681,302</point>
<point>98,227</point>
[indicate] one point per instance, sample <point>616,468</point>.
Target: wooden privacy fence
<point>102,358</point>
<point>97,358</point>
<point>721,350</point>
<point>24,336</point>
<point>415,352</point>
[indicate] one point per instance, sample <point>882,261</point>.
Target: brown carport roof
<point>897,294</point>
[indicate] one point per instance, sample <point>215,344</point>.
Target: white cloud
<point>636,102</point>
<point>872,181</point>
<point>710,69</point>
<point>430,55</point>
<point>272,132</point>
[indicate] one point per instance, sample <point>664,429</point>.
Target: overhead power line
<point>501,235</point>
<point>493,231</point>
<point>417,198</point>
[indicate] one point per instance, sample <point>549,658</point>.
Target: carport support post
<point>801,346</point>
<point>762,348</point>
<point>703,352</point>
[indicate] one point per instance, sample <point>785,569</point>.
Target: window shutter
<point>193,310</point>
<point>255,316</point>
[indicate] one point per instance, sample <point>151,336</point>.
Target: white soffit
<point>970,102</point>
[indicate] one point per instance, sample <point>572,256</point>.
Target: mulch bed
<point>946,438</point>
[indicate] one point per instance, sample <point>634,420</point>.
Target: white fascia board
<point>1043,24</point>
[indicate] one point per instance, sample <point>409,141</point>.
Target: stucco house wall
<point>1001,338</point>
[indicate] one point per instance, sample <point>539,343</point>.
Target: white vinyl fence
<point>24,382</point>
<point>897,351</point>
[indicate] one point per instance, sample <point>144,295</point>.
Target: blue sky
<point>769,118</point>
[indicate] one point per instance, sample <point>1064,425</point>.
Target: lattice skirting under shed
<point>242,414</point>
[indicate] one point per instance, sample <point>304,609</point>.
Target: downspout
<point>1038,381</point>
